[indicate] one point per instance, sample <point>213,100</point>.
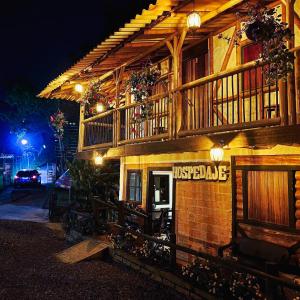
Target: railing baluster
<point>256,100</point>
<point>227,100</point>
<point>269,97</point>
<point>238,99</point>
<point>250,96</point>
<point>222,101</point>
<point>232,93</point>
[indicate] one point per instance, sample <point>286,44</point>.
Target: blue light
<point>44,146</point>
<point>24,142</point>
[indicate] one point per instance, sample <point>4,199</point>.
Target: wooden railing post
<point>291,77</point>
<point>283,102</point>
<point>297,85</point>
<point>81,129</point>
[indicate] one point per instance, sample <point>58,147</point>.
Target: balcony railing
<point>154,125</point>
<point>240,98</point>
<point>235,99</point>
<point>99,130</point>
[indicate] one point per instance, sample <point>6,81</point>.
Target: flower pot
<point>259,31</point>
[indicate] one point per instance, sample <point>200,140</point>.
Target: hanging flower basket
<point>57,122</point>
<point>263,25</point>
<point>260,31</point>
<point>94,96</point>
<point>140,85</point>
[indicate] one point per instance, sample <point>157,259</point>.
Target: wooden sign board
<point>201,172</point>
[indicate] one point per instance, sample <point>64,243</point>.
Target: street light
<point>24,142</point>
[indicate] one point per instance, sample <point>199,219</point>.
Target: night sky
<point>41,39</point>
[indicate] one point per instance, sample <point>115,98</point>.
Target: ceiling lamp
<point>100,107</point>
<point>193,21</point>
<point>216,154</point>
<point>78,88</point>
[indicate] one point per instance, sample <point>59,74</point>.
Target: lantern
<point>193,21</point>
<point>98,160</point>
<point>100,107</point>
<point>217,154</point>
<point>78,88</point>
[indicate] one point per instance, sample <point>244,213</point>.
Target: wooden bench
<point>262,255</point>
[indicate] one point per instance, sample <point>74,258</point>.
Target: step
<point>88,249</point>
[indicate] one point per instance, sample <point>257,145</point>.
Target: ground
<point>29,269</point>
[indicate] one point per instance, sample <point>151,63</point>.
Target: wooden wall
<point>273,183</point>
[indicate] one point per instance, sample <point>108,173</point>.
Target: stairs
<point>88,249</point>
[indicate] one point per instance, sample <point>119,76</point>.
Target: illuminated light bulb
<point>193,21</point>
<point>98,160</point>
<point>78,88</point>
<point>100,107</point>
<point>216,154</point>
<point>24,142</point>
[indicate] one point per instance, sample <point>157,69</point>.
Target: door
<point>161,200</point>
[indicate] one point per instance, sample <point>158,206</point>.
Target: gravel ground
<point>28,270</point>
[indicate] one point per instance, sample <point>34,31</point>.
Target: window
<point>268,197</point>
<point>134,186</point>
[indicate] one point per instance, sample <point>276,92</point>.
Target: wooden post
<point>297,85</point>
<point>116,117</point>
<point>291,76</point>
<point>81,129</point>
<point>121,215</point>
<point>176,52</point>
<point>283,102</point>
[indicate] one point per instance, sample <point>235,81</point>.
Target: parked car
<point>27,178</point>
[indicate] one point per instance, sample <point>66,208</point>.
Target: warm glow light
<point>100,107</point>
<point>216,154</point>
<point>193,21</point>
<point>98,160</point>
<point>78,88</point>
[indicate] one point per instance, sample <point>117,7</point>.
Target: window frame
<point>291,196</point>
<point>128,186</point>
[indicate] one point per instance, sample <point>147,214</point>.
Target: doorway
<point>161,200</point>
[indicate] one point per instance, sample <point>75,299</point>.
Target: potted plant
<point>263,25</point>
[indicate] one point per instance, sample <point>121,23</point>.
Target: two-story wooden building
<point>210,92</point>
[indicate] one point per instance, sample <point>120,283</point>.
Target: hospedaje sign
<point>206,172</point>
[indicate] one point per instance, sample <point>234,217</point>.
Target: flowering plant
<point>224,284</point>
<point>57,122</point>
<point>263,26</point>
<point>93,96</point>
<point>140,85</point>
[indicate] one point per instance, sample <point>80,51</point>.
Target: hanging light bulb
<point>193,20</point>
<point>216,154</point>
<point>98,160</point>
<point>100,107</point>
<point>78,88</point>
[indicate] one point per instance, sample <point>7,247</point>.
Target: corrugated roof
<point>146,30</point>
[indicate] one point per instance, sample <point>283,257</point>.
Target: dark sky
<point>40,39</point>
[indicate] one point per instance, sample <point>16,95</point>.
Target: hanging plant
<point>94,96</point>
<point>263,26</point>
<point>58,122</point>
<point>140,85</point>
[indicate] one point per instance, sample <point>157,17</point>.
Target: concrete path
<point>24,213</point>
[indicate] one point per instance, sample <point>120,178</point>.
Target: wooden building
<point>211,91</point>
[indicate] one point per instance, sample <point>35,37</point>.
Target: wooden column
<point>291,76</point>
<point>116,121</point>
<point>283,102</point>
<point>175,48</point>
<point>297,85</point>
<point>81,129</point>
<point>297,204</point>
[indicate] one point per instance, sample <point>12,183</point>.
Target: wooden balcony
<point>237,99</point>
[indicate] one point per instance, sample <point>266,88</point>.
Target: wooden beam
<point>259,138</point>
